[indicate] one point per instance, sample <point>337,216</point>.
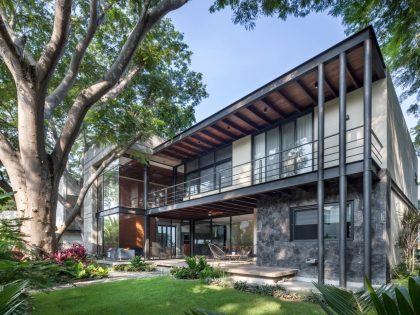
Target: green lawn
<point>161,295</point>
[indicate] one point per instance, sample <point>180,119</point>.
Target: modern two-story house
<point>311,171</point>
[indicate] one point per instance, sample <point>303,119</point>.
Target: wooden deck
<point>238,268</point>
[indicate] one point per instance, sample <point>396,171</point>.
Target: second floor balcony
<point>295,160</point>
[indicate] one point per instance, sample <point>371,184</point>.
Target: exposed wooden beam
<point>270,105</point>
<point>180,148</point>
<point>246,120</point>
<point>212,135</point>
<point>194,144</point>
<point>188,146</point>
<point>205,141</point>
<point>174,152</point>
<point>233,125</point>
<point>253,110</point>
<point>352,76</point>
<point>198,144</point>
<point>224,131</point>
<point>306,91</point>
<point>329,86</point>
<point>289,101</point>
<point>204,144</point>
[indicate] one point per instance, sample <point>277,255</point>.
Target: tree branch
<point>92,94</point>
<point>9,51</point>
<point>54,49</point>
<point>114,154</point>
<point>58,95</point>
<point>122,84</point>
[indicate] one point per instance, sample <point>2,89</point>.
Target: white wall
<point>355,136</point>
<point>241,158</point>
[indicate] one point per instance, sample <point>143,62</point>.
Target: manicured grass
<point>161,295</point>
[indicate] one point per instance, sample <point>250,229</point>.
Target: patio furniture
<point>217,252</point>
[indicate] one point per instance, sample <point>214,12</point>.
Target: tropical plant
<point>386,300</point>
<point>136,264</point>
<point>197,268</point>
<point>111,230</point>
<point>14,299</point>
<point>75,252</point>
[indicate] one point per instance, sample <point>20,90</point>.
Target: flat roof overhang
<point>289,95</point>
<point>244,200</point>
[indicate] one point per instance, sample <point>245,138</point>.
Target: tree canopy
<point>396,23</point>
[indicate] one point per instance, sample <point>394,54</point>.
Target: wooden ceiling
<point>295,94</point>
<point>243,205</point>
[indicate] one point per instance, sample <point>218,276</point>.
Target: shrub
<point>400,271</point>
<point>197,268</point>
<point>80,270</point>
<point>136,264</point>
<point>75,252</point>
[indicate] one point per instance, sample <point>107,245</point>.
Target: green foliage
<point>136,264</point>
<point>6,201</point>
<point>386,300</point>
<point>396,23</point>
<point>197,268</point>
<point>14,299</point>
<point>89,270</point>
<point>400,271</point>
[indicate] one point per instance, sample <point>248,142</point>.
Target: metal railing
<point>292,161</point>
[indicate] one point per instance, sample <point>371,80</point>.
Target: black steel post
<point>320,186</point>
<point>146,216</point>
<point>367,156</point>
<point>342,170</point>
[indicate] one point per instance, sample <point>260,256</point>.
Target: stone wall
<point>275,248</point>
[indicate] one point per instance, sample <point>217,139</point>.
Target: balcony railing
<point>292,161</point>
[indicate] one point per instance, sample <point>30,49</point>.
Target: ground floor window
<point>304,222</point>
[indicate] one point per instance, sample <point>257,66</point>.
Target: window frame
<point>350,202</point>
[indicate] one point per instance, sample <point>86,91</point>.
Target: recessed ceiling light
<point>265,109</point>
<point>316,84</point>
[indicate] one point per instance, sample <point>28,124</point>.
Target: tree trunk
<point>40,187</point>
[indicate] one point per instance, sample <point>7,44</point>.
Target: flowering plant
<point>75,252</point>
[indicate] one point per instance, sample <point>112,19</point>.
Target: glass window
<point>224,174</point>
<point>206,180</point>
<point>191,165</point>
<point>259,158</point>
<point>111,189</point>
<point>224,153</point>
<point>305,223</point>
<point>207,159</point>
<point>273,158</point>
<point>288,144</point>
<point>111,230</point>
<point>191,184</point>
<point>242,234</point>
<point>303,151</point>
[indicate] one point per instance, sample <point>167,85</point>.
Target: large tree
<point>61,58</point>
<point>65,64</point>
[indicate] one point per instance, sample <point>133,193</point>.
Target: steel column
<point>146,216</point>
<point>367,155</point>
<point>320,186</point>
<point>342,171</point>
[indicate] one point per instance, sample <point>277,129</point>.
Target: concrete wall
<point>402,162</point>
<point>276,249</point>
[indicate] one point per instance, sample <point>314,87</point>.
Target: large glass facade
<point>169,238</point>
<point>283,151</point>
<point>233,233</point>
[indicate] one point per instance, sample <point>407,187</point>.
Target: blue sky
<point>235,61</point>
